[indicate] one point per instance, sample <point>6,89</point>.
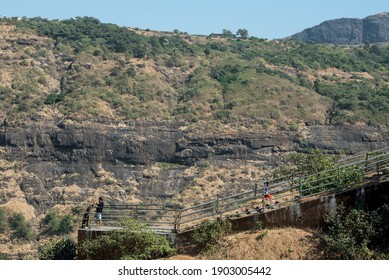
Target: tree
<point>243,33</point>
<point>19,226</point>
<point>227,33</point>
<point>357,234</point>
<point>313,161</point>
<point>65,225</point>
<point>56,224</point>
<point>324,171</point>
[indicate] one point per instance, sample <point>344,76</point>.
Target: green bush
<point>65,225</point>
<point>2,256</point>
<point>133,242</point>
<point>209,233</point>
<point>3,220</point>
<point>357,234</point>
<point>60,249</point>
<point>262,235</point>
<point>20,228</point>
<point>324,170</point>
<point>226,74</point>
<point>42,80</point>
<point>54,223</point>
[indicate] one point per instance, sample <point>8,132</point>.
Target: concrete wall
<point>311,213</point>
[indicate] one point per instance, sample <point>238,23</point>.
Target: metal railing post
<point>365,169</point>
<point>300,187</point>
<point>339,181</point>
<point>177,219</point>
<point>217,203</point>
<point>136,212</point>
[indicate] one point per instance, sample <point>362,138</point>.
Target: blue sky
<point>265,19</point>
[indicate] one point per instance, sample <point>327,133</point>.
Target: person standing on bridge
<point>266,195</point>
<point>99,211</point>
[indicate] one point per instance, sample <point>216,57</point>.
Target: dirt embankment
<point>275,244</point>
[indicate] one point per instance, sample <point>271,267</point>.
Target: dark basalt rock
<point>376,28</point>
<point>147,143</point>
<point>348,31</point>
<point>66,155</point>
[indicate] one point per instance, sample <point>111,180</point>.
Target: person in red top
<point>266,195</point>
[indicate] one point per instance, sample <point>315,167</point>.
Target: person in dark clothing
<point>99,211</point>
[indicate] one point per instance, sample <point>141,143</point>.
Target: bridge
<point>353,172</point>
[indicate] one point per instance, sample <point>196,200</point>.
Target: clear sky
<point>269,19</point>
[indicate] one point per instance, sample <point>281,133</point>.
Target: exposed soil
<point>275,244</point>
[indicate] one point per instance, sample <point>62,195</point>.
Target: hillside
<point>90,109</point>
<point>276,244</point>
<point>348,31</point>
<point>82,69</point>
<point>286,244</point>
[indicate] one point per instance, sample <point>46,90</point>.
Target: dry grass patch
<point>275,244</point>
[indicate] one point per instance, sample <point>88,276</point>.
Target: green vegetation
<point>325,173</point>
<point>89,34</point>
<point>262,235</point>
<point>133,242</point>
<point>2,256</point>
<point>3,220</point>
<point>59,249</point>
<point>56,224</point>
<point>15,225</point>
<point>347,234</point>
<point>311,162</point>
<point>209,233</point>
<point>357,234</point>
<point>19,227</point>
<point>86,69</point>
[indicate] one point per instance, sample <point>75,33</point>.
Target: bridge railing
<point>157,217</point>
<point>352,171</point>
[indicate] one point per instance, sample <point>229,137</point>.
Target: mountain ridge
<point>348,31</point>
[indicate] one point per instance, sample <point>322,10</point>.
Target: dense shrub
<point>357,234</point>
<point>19,227</point>
<point>60,249</point>
<point>208,233</point>
<point>57,224</point>
<point>324,170</point>
<point>134,241</point>
<point>3,220</point>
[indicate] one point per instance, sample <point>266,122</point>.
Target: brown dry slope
<point>275,244</point>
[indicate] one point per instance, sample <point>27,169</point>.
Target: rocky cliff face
<point>150,162</point>
<point>349,31</point>
<point>148,142</point>
<point>376,28</point>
